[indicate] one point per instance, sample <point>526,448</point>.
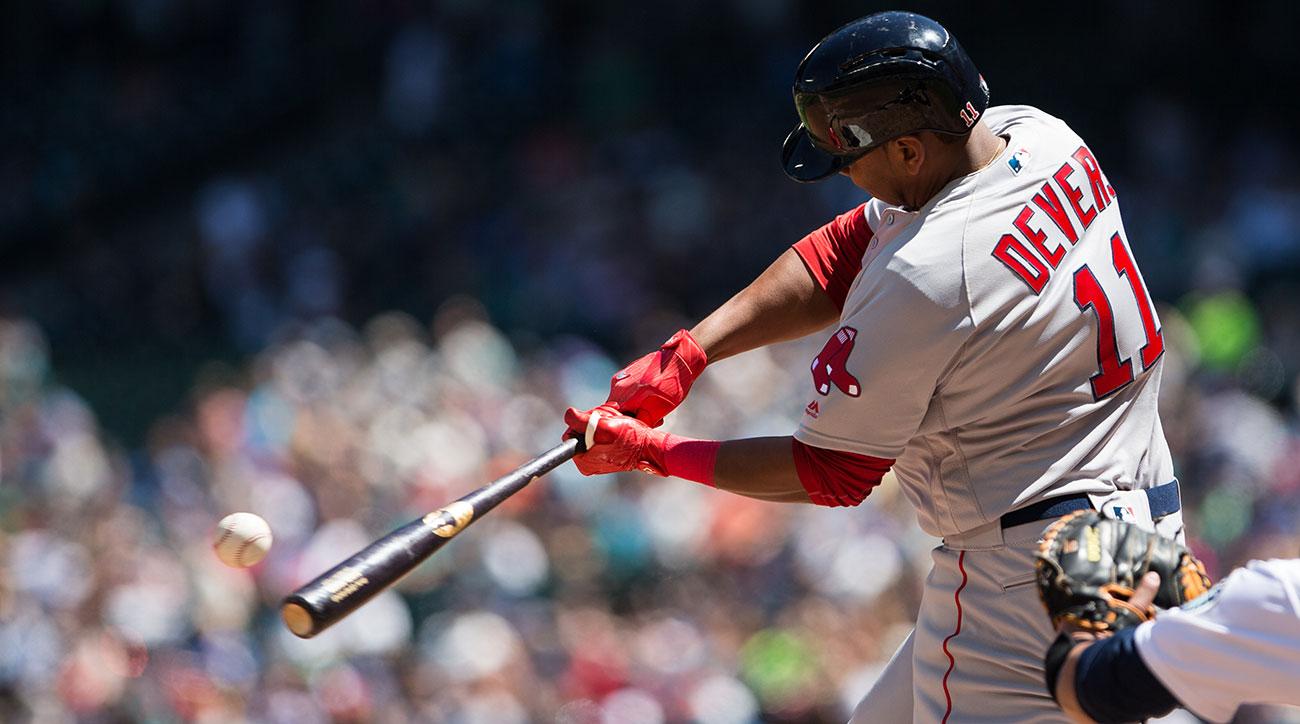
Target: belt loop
<point>986,537</point>
<point>1165,499</point>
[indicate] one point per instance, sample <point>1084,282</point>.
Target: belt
<point>1164,499</point>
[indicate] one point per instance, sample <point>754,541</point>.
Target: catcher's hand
<point>1088,567</point>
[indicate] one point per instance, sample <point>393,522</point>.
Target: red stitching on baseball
<point>239,552</point>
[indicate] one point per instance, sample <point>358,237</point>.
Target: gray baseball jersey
<point>1001,344</point>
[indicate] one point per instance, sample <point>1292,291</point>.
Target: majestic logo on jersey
<point>813,410</point>
<point>828,366</point>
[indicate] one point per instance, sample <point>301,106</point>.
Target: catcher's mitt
<point>1088,567</point>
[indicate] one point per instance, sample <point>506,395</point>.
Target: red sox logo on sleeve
<point>828,367</point>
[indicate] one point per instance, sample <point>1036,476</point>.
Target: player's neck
<point>980,149</point>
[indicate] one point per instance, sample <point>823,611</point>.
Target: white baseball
<point>242,539</point>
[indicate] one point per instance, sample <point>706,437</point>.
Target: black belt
<point>1164,499</point>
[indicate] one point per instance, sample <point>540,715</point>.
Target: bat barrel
<point>342,589</point>
<point>345,587</point>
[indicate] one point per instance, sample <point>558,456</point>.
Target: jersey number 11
<point>1116,372</point>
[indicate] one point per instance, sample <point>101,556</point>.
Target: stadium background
<point>337,263</point>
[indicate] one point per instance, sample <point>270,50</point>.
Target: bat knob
<point>298,620</point>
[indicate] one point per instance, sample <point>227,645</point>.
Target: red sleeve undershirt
<point>833,256</point>
<point>833,253</point>
<point>835,477</point>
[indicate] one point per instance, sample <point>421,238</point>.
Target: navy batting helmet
<point>878,78</point>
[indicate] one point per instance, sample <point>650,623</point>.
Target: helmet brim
<point>806,163</point>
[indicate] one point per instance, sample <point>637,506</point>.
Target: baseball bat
<point>344,588</point>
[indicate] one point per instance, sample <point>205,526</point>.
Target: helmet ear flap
<point>804,162</point>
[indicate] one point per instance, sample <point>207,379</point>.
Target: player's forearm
<point>778,469</point>
<point>1105,680</point>
<point>783,303</point>
<point>761,467</point>
<point>1066,694</point>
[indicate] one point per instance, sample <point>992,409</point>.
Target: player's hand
<point>653,386</point>
<point>1143,596</point>
<point>615,442</point>
<point>1097,591</point>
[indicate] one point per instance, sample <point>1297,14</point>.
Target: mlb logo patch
<point>1124,512</point>
<point>1018,160</point>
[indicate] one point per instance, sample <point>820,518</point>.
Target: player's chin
<point>874,190</point>
<point>886,196</point>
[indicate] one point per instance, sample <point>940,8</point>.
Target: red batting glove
<point>615,442</point>
<point>656,384</point>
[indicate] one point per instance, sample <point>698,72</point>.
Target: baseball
<point>242,539</point>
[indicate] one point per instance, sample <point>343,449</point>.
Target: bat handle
<point>487,497</point>
<point>553,458</point>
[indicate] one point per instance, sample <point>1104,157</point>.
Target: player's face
<point>894,172</point>
<point>874,174</point>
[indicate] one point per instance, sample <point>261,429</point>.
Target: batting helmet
<point>878,78</point>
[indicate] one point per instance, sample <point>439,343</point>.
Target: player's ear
<point>907,153</point>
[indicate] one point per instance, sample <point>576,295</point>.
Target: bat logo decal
<point>448,521</point>
<point>344,583</point>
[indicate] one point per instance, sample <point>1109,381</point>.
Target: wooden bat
<point>344,588</point>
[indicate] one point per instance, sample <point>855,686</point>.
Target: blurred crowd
<point>619,599</point>
<point>180,178</point>
<point>612,599</point>
<point>209,211</point>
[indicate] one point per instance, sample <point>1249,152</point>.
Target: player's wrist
<point>690,459</point>
<point>1060,667</point>
<point>687,349</point>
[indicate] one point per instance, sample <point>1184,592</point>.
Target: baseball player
<point>990,340</point>
<point>1238,643</point>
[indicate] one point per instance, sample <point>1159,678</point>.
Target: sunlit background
<point>338,263</point>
